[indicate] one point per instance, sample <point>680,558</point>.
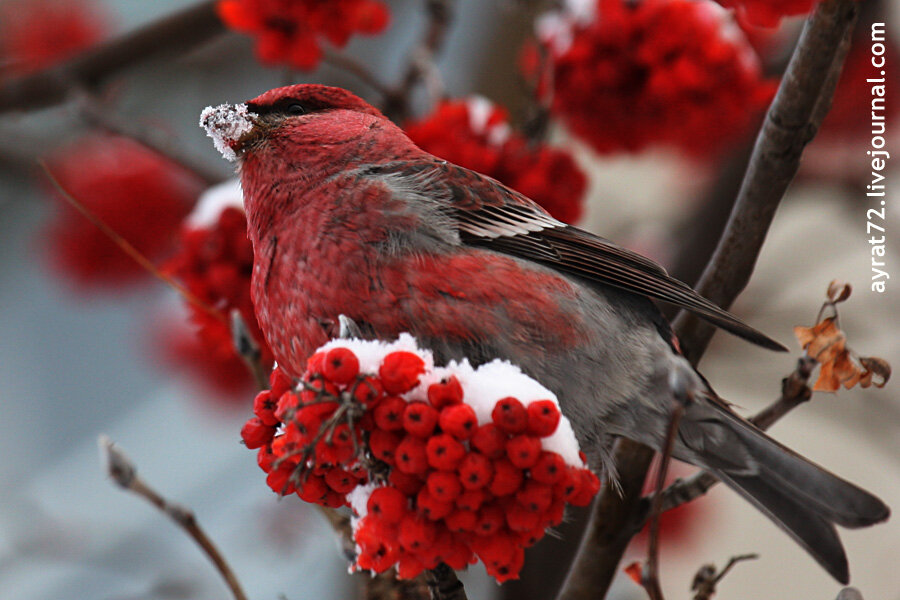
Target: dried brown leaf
<point>823,342</point>
<point>838,291</point>
<point>878,371</point>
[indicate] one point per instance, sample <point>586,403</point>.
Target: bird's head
<point>291,121</point>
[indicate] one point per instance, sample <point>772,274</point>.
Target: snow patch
<point>215,200</point>
<point>482,387</point>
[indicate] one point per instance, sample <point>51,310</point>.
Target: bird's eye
<point>295,109</point>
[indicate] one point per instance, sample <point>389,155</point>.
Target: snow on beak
<point>229,126</point>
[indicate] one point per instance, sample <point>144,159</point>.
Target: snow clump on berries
<point>439,464</point>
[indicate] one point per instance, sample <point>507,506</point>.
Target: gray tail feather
<point>799,496</point>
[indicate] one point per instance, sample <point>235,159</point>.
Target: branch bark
<point>124,473</point>
<point>176,33</point>
<point>791,122</point>
<point>801,103</point>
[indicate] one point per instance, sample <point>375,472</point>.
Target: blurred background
<point>89,344</point>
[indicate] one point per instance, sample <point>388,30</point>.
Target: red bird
<point>348,216</point>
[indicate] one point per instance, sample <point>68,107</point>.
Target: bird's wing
<point>488,214</point>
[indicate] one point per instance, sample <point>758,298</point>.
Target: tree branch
<point>791,122</point>
<point>176,33</point>
<point>440,15</point>
<point>124,473</point>
<point>801,103</point>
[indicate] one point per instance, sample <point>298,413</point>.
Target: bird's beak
<point>231,126</point>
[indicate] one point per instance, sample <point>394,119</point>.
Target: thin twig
<point>794,392</point>
<point>650,575</point>
<point>128,248</point>
<point>706,579</point>
<point>788,127</point>
<point>124,473</point>
<point>177,33</point>
<point>350,65</point>
<point>420,67</point>
<point>248,349</point>
<point>103,117</point>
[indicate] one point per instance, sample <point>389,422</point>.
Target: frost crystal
<point>225,124</point>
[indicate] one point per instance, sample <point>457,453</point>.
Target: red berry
<point>507,478</point>
<point>333,454</point>
<point>313,490</point>
<point>388,504</point>
<point>400,371</point>
<point>409,567</point>
<point>535,496</point>
<point>589,487</point>
<point>549,468</point>
<point>420,419</point>
<point>279,382</point>
<point>475,471</point>
<point>340,481</point>
<point>279,479</point>
<point>383,445</point>
<point>286,407</point>
<point>256,434</point>
<point>416,533</point>
<point>265,458</point>
<point>307,423</point>
<point>508,567</point>
<point>389,413</point>
<point>445,452</point>
<point>530,538</point>
<point>456,554</point>
<point>567,485</point>
<point>462,520</point>
<point>510,415</point>
<point>519,518</point>
<point>410,456</point>
<point>431,507</point>
<point>446,392</point>
<point>368,391</point>
<point>341,366</point>
<point>543,418</point>
<point>490,440</point>
<point>406,483</point>
<point>459,420</point>
<point>444,485</point>
<point>490,520</point>
<point>523,451</point>
<point>471,500</point>
<point>264,407</point>
<point>315,364</point>
<point>554,514</point>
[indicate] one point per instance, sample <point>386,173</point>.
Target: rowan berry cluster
<point>435,471</point>
<point>36,34</point>
<point>140,195</point>
<point>214,262</point>
<point>476,134</point>
<point>291,32</point>
<point>630,75</point>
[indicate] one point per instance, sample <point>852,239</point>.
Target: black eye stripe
<point>286,106</point>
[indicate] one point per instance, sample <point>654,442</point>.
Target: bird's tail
<point>802,498</point>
